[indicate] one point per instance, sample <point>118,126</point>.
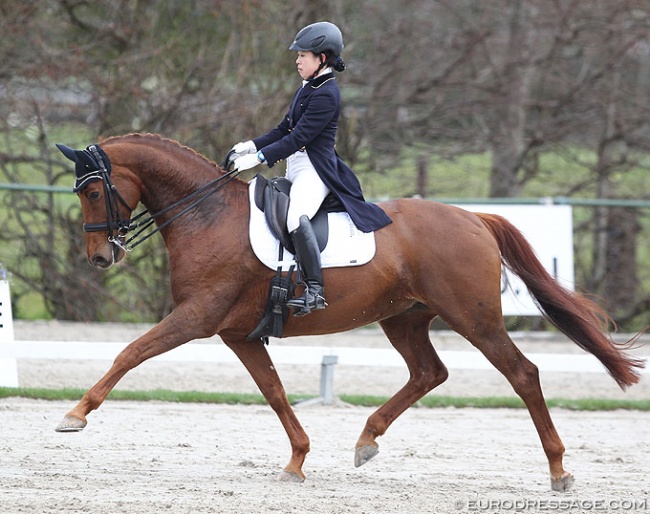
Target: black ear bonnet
<point>90,164</point>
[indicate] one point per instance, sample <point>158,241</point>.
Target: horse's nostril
<point>99,261</point>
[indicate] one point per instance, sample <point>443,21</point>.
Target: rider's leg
<point>307,189</point>
<point>307,194</point>
<point>308,254</point>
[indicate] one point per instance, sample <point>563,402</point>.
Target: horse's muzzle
<point>103,261</point>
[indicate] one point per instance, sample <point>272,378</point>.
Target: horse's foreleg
<point>171,332</point>
<point>257,361</point>
<point>409,334</point>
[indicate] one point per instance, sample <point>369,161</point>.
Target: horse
<point>434,260</point>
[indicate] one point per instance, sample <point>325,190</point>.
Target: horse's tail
<point>582,320</point>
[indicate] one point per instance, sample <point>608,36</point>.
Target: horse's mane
<point>236,193</point>
<point>158,140</point>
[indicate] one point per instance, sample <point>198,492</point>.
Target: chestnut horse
<point>433,260</point>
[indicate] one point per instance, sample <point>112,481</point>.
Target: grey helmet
<point>318,37</point>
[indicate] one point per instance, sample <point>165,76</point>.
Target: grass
<point>458,402</point>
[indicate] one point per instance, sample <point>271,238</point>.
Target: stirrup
<point>302,306</point>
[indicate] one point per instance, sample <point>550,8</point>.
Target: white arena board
<point>9,366</point>
<point>549,229</point>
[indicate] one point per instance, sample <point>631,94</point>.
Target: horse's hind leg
<point>496,345</point>
<point>409,334</point>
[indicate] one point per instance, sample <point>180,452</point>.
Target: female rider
<point>305,138</point>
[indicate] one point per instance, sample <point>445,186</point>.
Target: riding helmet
<point>318,37</point>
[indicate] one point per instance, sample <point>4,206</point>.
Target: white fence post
<point>326,383</point>
<point>327,378</point>
<point>8,367</point>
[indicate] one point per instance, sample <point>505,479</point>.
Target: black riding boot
<point>308,256</point>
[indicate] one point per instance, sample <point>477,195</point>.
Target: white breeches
<point>307,189</point>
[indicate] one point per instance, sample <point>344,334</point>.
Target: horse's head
<point>107,200</point>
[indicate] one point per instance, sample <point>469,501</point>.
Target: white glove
<point>246,162</point>
<point>243,148</point>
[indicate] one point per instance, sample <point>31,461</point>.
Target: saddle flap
<point>260,187</point>
<point>276,208</point>
<point>272,197</point>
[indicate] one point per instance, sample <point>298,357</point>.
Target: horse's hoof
<point>290,476</point>
<point>364,454</point>
<point>564,483</point>
<point>70,424</point>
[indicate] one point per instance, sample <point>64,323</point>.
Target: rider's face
<point>307,63</point>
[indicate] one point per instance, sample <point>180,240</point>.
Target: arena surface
<point>157,457</point>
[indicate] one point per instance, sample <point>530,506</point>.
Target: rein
<point>118,227</point>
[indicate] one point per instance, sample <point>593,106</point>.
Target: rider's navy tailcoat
<point>311,125</point>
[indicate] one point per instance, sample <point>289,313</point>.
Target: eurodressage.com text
<point>553,504</point>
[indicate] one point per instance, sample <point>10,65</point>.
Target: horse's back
<point>429,224</point>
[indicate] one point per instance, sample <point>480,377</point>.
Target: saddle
<point>271,196</point>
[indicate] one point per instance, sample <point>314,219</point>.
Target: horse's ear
<point>68,152</point>
<point>86,160</point>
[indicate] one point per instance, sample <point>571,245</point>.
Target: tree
<point>200,71</point>
<point>428,83</point>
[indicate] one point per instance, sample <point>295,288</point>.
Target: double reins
<point>118,227</point>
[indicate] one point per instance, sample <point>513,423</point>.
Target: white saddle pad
<point>346,246</point>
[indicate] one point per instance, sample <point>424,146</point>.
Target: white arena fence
<point>326,356</point>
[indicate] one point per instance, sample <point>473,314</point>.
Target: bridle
<point>118,227</point>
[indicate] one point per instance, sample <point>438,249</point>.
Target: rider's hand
<point>246,162</point>
<point>243,148</point>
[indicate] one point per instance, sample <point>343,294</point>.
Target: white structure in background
<point>8,366</point>
<point>549,229</point>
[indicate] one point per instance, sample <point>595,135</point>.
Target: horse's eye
<point>93,195</point>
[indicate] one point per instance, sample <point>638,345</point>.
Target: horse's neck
<point>168,180</point>
<point>206,218</point>
<point>168,174</point>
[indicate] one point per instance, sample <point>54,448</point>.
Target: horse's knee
<point>124,361</point>
<point>277,399</point>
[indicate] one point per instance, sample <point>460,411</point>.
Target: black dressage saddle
<point>272,198</point>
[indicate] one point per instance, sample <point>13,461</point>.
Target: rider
<point>305,138</point>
